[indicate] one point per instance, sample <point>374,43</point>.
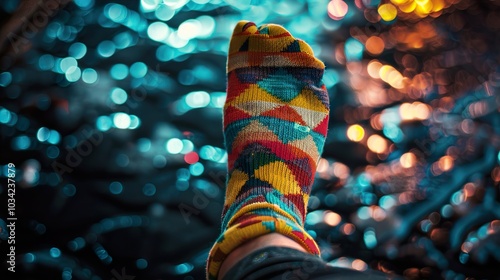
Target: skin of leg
<point>268,240</point>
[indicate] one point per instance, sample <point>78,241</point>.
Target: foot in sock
<point>275,124</point>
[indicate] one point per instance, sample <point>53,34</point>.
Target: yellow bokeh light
<point>355,133</point>
<point>373,69</point>
<point>414,111</point>
<point>400,2</point>
<point>377,144</point>
<point>391,76</point>
<point>408,160</point>
<point>408,7</point>
<point>387,12</point>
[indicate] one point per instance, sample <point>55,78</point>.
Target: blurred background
<point>111,113</point>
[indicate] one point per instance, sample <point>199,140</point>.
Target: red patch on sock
<point>322,127</point>
<point>232,114</point>
<point>286,113</point>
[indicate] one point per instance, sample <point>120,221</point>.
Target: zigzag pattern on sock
<point>275,124</point>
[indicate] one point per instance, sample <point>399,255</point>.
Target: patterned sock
<point>275,123</point>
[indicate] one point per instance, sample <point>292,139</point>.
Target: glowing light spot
<point>359,265</point>
<point>353,49</point>
<point>408,160</point>
<point>164,12</point>
<point>116,12</point>
<point>377,144</point>
<point>29,258</point>
<point>106,48</point>
<point>89,76</point>
<point>135,122</point>
<point>337,9</point>
<point>183,268</point>
<point>375,45</point>
<point>189,29</point>
<point>43,134</point>
<point>121,120</point>
<point>174,146</point>
<point>46,62</point>
<point>196,169</point>
<point>187,146</point>
<point>158,31</point>
<point>191,158</point>
<point>115,188</point>
<point>138,70</point>
<point>370,239</point>
<point>149,189</point>
<point>54,137</point>
<point>348,229</point>
<point>66,63</point>
<point>141,263</point>
<point>73,74</point>
<point>119,71</point>
<point>332,218</point>
<point>387,12</point>
<point>118,96</point>
<point>391,76</point>
<point>55,252</point>
<point>355,133</point>
<point>445,163</point>
<point>103,123</point>
<point>197,99</point>
<point>77,50</point>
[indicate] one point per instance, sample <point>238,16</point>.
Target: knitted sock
<point>275,123</point>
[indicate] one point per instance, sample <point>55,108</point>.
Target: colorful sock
<point>275,123</point>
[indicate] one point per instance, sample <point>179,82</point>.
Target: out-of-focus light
<point>66,63</point>
<point>375,45</point>
<point>332,218</point>
<point>73,74</point>
<point>196,169</point>
<point>337,9</point>
<point>377,144</point>
<point>149,189</point>
<point>158,31</point>
<point>84,4</point>
<point>387,12</point>
<point>89,76</point>
<point>46,62</point>
<point>353,49</point>
<point>135,122</point>
<point>121,120</point>
<point>55,252</point>
<point>43,134</point>
<point>119,71</point>
<point>355,133</point>
<point>174,146</point>
<point>408,160</point>
<point>116,12</point>
<point>191,157</point>
<point>149,5</point>
<point>445,163</point>
<point>104,123</point>
<point>54,137</point>
<point>359,265</point>
<point>373,69</point>
<point>77,50</point>
<point>164,12</point>
<point>391,76</point>
<point>106,48</point>
<point>197,99</point>
<point>414,111</point>
<point>118,96</point>
<point>138,70</point>
<point>115,188</point>
<point>370,238</point>
<point>189,29</point>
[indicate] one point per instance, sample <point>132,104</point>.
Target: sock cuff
<point>272,59</point>
<point>238,234</point>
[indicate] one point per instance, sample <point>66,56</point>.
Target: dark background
<point>111,114</point>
